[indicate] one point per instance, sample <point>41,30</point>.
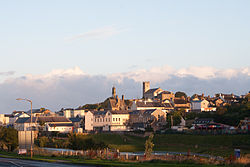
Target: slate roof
<point>153,104</point>
<point>60,124</point>
<point>100,112</point>
<point>34,111</point>
<point>42,119</point>
<point>203,120</point>
<point>136,112</point>
<point>77,119</point>
<point>148,112</point>
<point>152,90</point>
<point>165,92</point>
<point>53,119</point>
<point>120,111</point>
<point>23,120</point>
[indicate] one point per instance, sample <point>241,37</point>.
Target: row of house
<point>108,120</point>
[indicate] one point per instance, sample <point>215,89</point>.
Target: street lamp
<point>31,149</point>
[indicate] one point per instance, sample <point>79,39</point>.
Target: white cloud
<point>73,87</point>
<point>99,33</point>
<point>159,74</point>
<point>8,73</point>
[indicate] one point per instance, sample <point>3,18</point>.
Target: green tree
<point>180,94</point>
<point>149,146</point>
<point>43,141</point>
<point>9,138</point>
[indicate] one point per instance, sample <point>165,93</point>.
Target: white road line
<point>15,164</point>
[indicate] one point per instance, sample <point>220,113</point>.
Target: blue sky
<point>125,39</point>
<point>150,33</point>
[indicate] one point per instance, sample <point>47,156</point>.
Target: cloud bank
<point>73,87</point>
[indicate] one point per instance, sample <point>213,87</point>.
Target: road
<point>11,162</point>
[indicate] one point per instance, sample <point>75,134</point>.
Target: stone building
<point>115,103</point>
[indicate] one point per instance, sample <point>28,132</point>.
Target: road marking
<point>15,164</point>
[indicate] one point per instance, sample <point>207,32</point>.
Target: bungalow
<point>59,127</point>
<point>60,124</point>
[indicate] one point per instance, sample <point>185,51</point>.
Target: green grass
<point>219,145</point>
<point>80,160</point>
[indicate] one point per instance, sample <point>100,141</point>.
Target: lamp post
<point>31,148</point>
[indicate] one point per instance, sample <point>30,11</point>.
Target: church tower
<point>113,92</point>
<point>146,87</point>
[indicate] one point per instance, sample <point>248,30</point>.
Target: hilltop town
<point>102,125</point>
<point>156,110</point>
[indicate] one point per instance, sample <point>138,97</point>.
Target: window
<point>116,119</point>
<point>113,119</point>
<point>119,119</point>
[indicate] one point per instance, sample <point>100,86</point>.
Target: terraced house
<point>106,120</point>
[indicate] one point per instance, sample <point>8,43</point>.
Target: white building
<point>89,121</point>
<point>201,105</point>
<point>72,113</point>
<point>4,120</point>
<point>59,127</point>
<point>106,120</point>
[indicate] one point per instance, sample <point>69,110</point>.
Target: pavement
<point>11,162</point>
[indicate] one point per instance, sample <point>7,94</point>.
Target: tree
<point>9,138</point>
<point>180,94</point>
<point>43,141</point>
<point>149,145</point>
<point>83,142</point>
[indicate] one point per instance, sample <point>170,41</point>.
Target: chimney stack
<point>113,92</point>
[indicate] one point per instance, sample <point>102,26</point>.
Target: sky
<point>65,54</point>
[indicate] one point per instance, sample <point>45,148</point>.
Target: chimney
<point>116,97</point>
<point>113,92</point>
<point>122,97</point>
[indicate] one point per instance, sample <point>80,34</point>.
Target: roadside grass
<point>100,162</point>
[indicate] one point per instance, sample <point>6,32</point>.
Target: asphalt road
<point>10,162</point>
